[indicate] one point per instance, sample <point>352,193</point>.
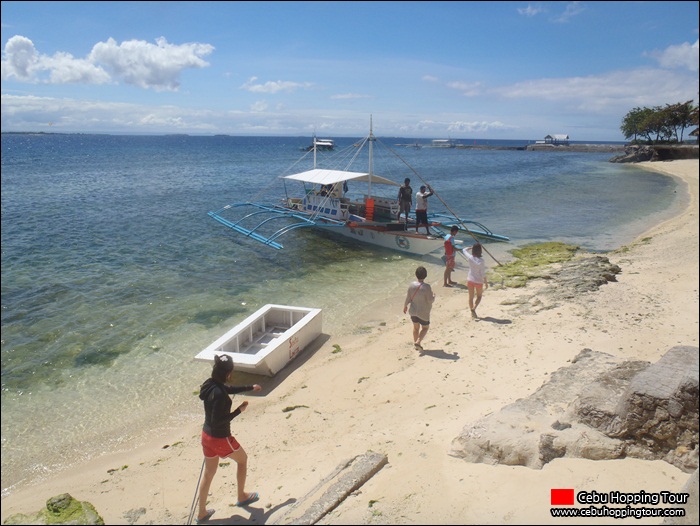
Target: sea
<point>114,277</point>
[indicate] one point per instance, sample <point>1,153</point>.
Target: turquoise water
<point>114,277</point>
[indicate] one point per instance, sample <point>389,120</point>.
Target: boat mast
<point>371,160</point>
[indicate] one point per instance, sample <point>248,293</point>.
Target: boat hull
<point>402,241</point>
<point>267,340</point>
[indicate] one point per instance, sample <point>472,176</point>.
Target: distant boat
<point>443,143</point>
<point>326,202</point>
<point>321,145</point>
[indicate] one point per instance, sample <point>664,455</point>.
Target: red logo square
<point>562,497</point>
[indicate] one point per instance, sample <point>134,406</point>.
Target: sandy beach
<point>367,389</point>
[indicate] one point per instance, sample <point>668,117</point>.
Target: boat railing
<point>325,206</point>
<point>474,227</point>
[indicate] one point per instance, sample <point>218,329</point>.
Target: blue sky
<point>464,70</point>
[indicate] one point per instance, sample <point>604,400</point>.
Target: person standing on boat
<point>450,253</point>
<point>217,441</point>
<point>405,199</point>
<point>420,297</point>
<point>476,280</point>
<point>422,208</point>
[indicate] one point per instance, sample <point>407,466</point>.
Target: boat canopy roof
<point>321,176</point>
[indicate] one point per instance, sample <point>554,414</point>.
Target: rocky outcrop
<point>658,412</point>
<point>692,507</point>
<point>594,148</point>
<point>636,153</point>
<point>61,509</point>
<point>598,408</point>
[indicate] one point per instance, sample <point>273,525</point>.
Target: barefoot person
<point>422,208</point>
<point>450,253</point>
<point>476,280</point>
<point>405,199</point>
<point>217,441</point>
<point>420,297</point>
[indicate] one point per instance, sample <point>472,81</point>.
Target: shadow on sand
<point>497,321</point>
<point>257,515</point>
<point>268,383</point>
<point>439,353</point>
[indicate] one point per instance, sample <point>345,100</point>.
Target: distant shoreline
<point>550,147</point>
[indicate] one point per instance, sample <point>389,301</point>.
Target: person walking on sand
<point>450,253</point>
<point>420,297</point>
<point>217,441</point>
<point>422,208</point>
<point>476,280</point>
<point>405,199</point>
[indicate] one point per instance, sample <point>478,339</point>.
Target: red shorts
<point>450,261</point>
<point>477,286</point>
<point>218,447</point>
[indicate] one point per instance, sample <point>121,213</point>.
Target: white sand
<point>378,394</point>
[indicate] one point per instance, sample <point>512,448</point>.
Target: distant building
<point>557,139</point>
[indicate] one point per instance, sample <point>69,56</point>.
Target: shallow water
<point>114,277</point>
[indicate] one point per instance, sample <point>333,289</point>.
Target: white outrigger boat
<point>267,340</point>
<point>327,204</point>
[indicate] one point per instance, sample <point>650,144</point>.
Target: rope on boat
<point>444,204</point>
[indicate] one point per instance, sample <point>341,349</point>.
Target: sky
<point>459,70</point>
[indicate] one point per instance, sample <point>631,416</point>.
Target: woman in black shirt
<point>217,441</point>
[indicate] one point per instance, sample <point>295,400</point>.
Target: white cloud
<point>478,126</point>
<point>572,9</point>
<point>429,78</point>
<point>134,62</point>
<point>641,87</point>
<point>273,87</point>
<point>468,89</point>
<point>350,96</point>
<point>258,106</point>
<point>681,56</point>
<point>531,10</point>
<point>150,66</point>
<point>35,113</point>
<point>21,61</point>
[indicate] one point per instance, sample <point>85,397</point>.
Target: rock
<point>61,509</point>
<point>514,435</point>
<point>660,409</point>
<point>584,274</point>
<point>692,507</point>
<point>636,153</point>
<point>598,408</point>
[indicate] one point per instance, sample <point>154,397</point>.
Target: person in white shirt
<point>422,208</point>
<point>418,303</point>
<point>476,280</point>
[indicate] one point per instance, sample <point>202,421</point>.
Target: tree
<point>632,123</point>
<point>680,117</point>
<point>659,124</point>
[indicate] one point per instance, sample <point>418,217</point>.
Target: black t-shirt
<point>405,193</point>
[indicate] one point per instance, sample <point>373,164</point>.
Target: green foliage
<point>659,124</point>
